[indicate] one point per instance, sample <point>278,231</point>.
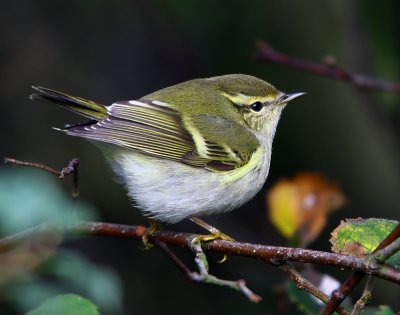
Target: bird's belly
<point>171,191</point>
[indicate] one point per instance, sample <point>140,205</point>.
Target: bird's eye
<point>256,107</point>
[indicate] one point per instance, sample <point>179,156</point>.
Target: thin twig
<point>71,168</point>
<point>204,276</point>
<point>365,298</point>
<point>46,168</point>
<point>304,284</point>
<point>340,294</point>
<point>330,69</point>
<point>179,263</point>
<point>385,253</point>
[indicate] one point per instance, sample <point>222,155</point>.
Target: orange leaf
<point>299,207</point>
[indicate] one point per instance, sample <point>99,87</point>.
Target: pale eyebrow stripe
<point>242,99</point>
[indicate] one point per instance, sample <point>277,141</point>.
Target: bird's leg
<point>215,233</point>
<point>154,226</point>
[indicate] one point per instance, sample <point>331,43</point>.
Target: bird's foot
<point>154,226</point>
<point>215,234</point>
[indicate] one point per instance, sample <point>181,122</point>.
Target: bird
<point>198,148</point>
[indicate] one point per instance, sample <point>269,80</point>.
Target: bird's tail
<point>78,105</point>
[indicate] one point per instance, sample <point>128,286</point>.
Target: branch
<point>70,169</point>
<point>329,69</point>
<point>365,298</point>
<point>304,284</point>
<point>340,294</point>
<point>203,275</point>
<point>265,253</point>
<point>385,253</point>
<point>260,252</point>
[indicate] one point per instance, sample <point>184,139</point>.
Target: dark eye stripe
<point>256,107</point>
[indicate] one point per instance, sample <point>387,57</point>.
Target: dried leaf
<point>299,207</point>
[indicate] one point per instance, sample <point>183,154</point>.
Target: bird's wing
<point>221,144</point>
<point>154,128</point>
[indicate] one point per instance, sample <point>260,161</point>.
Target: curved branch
<point>261,252</point>
<point>328,69</point>
<point>304,284</point>
<point>265,253</point>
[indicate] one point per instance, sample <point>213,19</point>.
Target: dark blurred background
<point>118,50</point>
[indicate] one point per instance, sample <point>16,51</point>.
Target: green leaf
<point>100,284</point>
<point>29,197</point>
<point>70,271</point>
<point>384,310</point>
<point>66,304</point>
<point>359,237</point>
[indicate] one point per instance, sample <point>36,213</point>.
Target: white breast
<point>171,191</point>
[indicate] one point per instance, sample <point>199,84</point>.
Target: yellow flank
<point>239,172</point>
<point>248,100</point>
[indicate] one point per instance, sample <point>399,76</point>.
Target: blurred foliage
<point>29,197</point>
<point>68,271</point>
<point>359,237</point>
<point>304,301</point>
<point>34,269</point>
<point>299,207</point>
<point>383,310</point>
<point>66,304</point>
<point>100,284</point>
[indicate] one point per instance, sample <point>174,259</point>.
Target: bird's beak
<point>287,97</point>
